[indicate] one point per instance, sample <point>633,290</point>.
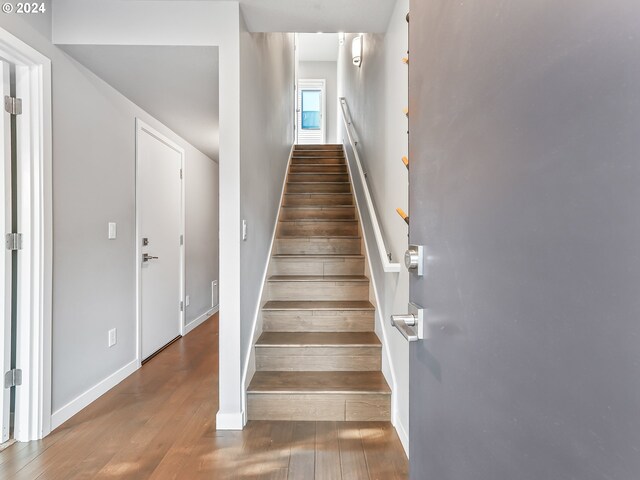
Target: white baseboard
<point>200,320</point>
<point>404,437</point>
<point>81,401</point>
<point>230,421</point>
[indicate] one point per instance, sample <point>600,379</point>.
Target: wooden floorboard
<point>160,424</point>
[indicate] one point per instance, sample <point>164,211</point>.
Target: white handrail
<point>387,265</point>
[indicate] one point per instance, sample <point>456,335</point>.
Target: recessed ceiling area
<point>312,16</point>
<point>176,85</point>
<point>314,47</point>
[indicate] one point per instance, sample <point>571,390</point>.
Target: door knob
<point>146,257</point>
<point>414,259</point>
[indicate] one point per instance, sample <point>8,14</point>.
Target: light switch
<point>113,337</point>
<point>244,230</point>
<point>187,300</point>
<point>112,231</point>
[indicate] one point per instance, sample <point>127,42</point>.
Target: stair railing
<point>385,255</point>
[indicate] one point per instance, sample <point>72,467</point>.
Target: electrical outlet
<point>113,337</point>
<point>187,300</point>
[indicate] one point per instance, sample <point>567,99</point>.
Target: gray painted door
<point>525,188</point>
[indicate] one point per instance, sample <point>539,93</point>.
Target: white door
<point>311,112</point>
<point>159,196</point>
<point>5,257</point>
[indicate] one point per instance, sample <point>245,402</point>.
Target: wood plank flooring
<point>160,424</point>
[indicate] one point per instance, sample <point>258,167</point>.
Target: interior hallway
<point>160,423</point>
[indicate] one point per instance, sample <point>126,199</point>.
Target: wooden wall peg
<point>405,60</point>
<point>404,216</point>
<point>405,160</point>
<point>406,111</point>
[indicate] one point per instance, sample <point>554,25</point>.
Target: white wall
<point>212,23</point>
<point>329,72</point>
<point>267,102</point>
<point>93,183</point>
<point>376,93</point>
<point>201,177</point>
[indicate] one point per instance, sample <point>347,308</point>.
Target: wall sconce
<point>356,50</point>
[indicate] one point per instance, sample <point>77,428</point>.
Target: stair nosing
<point>268,306</point>
<point>318,278</point>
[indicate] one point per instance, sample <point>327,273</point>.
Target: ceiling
<point>176,85</point>
<point>314,47</point>
<point>370,16</point>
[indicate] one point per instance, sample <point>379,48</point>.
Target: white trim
<point>193,324</point>
<point>402,435</point>
<point>387,265</point>
<point>250,364</point>
<point>33,84</point>
<point>142,126</point>
<point>84,399</point>
<point>230,421</point>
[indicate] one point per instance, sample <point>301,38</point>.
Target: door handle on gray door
<point>405,324</point>
<point>410,325</point>
<point>146,257</point>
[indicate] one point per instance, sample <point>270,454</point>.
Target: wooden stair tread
<point>315,207</point>
<point>325,305</point>
<point>318,339</point>
<point>319,382</point>
<point>318,278</point>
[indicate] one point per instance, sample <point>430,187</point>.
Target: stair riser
<point>313,148</point>
<point>317,153</point>
<point>317,266</point>
<point>317,229</point>
<point>325,213</point>
<point>319,246</point>
<point>311,200</point>
<point>318,161</point>
<point>318,321</point>
<point>318,188</point>
<point>319,407</point>
<point>318,291</point>
<point>318,359</point>
<point>317,177</point>
<point>318,169</point>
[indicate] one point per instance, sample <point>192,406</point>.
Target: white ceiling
<point>367,16</point>
<point>314,47</point>
<point>176,85</point>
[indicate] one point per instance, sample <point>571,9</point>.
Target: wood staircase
<point>318,357</point>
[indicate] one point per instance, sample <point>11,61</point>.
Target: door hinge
<point>181,306</point>
<point>13,105</point>
<point>13,378</point>
<point>181,239</point>
<point>13,241</point>
<point>180,174</point>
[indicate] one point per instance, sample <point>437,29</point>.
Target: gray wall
<point>328,71</point>
<point>266,108</point>
<point>525,187</point>
<point>93,183</point>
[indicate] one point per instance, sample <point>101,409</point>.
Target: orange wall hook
<point>404,216</point>
<point>405,60</point>
<point>405,160</point>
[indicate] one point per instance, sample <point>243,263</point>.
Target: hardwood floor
<point>160,424</point>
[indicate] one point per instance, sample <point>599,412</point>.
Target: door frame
<point>142,127</point>
<point>314,84</point>
<point>35,214</point>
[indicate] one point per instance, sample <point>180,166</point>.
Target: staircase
<point>318,357</point>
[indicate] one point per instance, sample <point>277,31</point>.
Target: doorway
<point>311,111</point>
<point>160,240</point>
